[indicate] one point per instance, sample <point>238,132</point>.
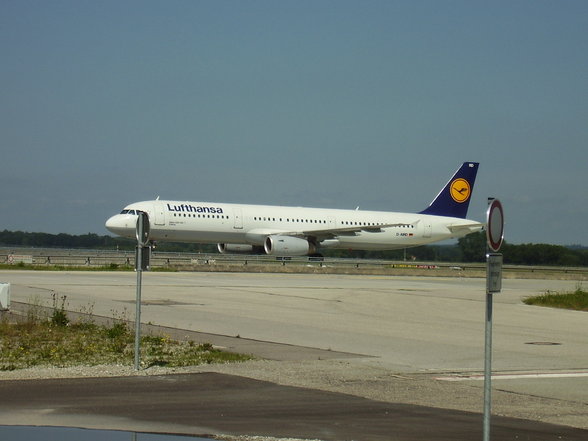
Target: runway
<point>407,324</point>
<point>402,325</point>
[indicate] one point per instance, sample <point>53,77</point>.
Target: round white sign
<point>495,225</point>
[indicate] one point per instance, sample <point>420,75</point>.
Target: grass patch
<point>55,341</point>
<point>51,267</point>
<point>576,300</point>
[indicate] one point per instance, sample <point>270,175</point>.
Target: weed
<point>35,312</point>
<point>59,316</point>
<point>117,330</point>
<point>50,339</point>
<point>87,317</point>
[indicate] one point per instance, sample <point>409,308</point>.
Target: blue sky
<point>314,103</point>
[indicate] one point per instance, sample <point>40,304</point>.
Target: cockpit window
<point>125,211</point>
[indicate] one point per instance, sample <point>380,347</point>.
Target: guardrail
<point>228,262</point>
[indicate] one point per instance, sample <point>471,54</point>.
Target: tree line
<point>90,241</point>
<point>471,248</point>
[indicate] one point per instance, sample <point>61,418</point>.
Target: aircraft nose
<point>118,224</point>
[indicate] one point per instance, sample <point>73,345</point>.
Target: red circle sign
<point>495,225</point>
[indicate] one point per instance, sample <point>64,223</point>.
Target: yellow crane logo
<point>460,190</point>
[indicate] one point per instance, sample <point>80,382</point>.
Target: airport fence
<point>113,259</point>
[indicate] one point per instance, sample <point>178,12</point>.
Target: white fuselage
<point>205,222</point>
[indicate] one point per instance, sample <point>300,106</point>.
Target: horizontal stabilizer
<point>467,228</point>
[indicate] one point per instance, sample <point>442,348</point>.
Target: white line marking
<point>514,376</point>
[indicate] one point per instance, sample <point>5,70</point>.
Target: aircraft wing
<point>351,230</point>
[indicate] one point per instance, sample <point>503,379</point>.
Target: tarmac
<point>208,404</point>
<point>419,344</point>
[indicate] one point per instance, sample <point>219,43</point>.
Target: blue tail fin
<point>454,199</point>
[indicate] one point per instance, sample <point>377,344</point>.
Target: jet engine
<point>239,248</point>
<point>287,246</point>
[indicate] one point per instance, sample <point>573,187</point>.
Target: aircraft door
<point>238,215</point>
<point>428,229</point>
<point>159,214</point>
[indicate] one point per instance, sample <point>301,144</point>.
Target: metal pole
<point>138,312</point>
<point>138,266</point>
<point>488,350</point>
<point>488,368</point>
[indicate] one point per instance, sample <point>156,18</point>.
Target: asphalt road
<point>212,403</point>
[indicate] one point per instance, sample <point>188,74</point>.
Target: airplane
<point>298,231</point>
